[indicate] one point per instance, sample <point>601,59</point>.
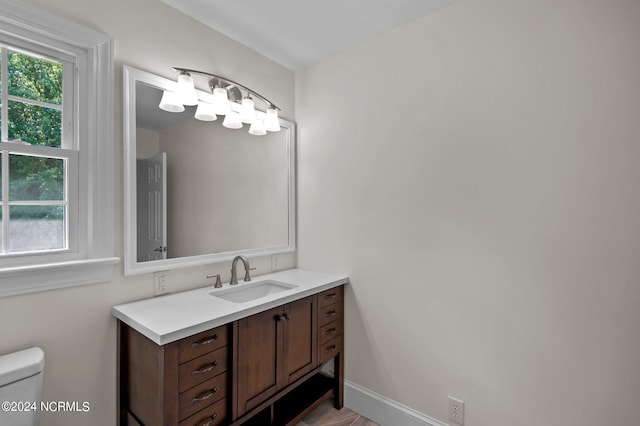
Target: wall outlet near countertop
<point>161,283</point>
<point>456,410</point>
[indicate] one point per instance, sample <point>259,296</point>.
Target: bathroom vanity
<point>247,354</point>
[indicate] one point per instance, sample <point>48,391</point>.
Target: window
<point>38,161</point>
<point>56,152</point>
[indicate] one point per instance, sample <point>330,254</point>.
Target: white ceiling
<point>297,33</point>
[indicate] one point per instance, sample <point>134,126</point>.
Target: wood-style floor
<point>326,415</point>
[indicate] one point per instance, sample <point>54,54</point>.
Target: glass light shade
<point>232,121</point>
<point>204,112</point>
<point>170,102</point>
<point>186,90</point>
<point>221,101</point>
<point>247,111</point>
<point>257,128</point>
<point>271,122</point>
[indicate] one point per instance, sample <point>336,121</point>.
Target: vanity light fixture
<point>247,111</point>
<point>170,102</point>
<point>228,98</point>
<point>221,101</point>
<point>232,121</point>
<point>257,128</point>
<point>205,112</point>
<point>186,89</point>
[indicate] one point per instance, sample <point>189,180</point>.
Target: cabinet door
<point>257,358</point>
<point>300,350</point>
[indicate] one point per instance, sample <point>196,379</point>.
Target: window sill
<point>33,278</point>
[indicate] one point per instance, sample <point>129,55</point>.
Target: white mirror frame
<point>131,265</point>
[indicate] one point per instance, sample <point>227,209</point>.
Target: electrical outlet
<point>456,410</point>
<point>161,282</point>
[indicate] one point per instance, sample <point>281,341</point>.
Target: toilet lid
<point>20,365</point>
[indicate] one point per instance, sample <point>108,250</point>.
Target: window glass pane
<point>33,78</point>
<point>35,178</point>
<point>34,124</point>
<point>35,228</point>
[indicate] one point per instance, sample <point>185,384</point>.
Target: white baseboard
<point>382,410</point>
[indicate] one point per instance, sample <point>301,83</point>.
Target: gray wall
<point>475,173</point>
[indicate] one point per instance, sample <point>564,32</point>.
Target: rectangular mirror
<point>197,192</point>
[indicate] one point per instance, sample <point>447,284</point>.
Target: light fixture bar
<point>230,82</point>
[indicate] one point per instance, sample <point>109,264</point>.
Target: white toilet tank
<point>21,385</point>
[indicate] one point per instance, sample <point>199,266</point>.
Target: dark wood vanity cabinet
<point>275,348</point>
<point>264,369</point>
<point>182,383</point>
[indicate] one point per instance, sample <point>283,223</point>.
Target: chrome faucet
<point>234,273</point>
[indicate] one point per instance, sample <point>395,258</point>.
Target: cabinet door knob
<point>331,296</point>
<point>330,313</point>
<point>331,348</point>
<point>330,331</point>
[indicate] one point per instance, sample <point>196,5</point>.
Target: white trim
<point>94,62</point>
<point>130,76</point>
<point>21,15</point>
<point>34,102</point>
<point>57,275</point>
<point>383,410</point>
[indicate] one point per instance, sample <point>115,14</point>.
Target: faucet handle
<point>218,283</point>
<point>247,276</point>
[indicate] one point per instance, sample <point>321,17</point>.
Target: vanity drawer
<point>199,344</point>
<point>331,296</point>
<point>213,415</point>
<point>203,368</point>
<point>329,313</point>
<point>202,395</point>
<point>330,330</point>
<point>330,349</point>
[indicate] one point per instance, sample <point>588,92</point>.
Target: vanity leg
<point>338,386</point>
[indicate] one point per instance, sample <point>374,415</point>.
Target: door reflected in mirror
<point>201,192</point>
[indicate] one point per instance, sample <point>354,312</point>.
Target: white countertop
<point>172,317</point>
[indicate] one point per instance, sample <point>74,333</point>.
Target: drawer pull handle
<point>330,313</point>
<point>331,348</point>
<point>205,341</point>
<point>205,396</point>
<point>330,331</point>
<point>331,296</point>
<point>206,368</point>
<point>210,421</point>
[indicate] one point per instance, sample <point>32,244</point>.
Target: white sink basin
<point>246,292</point>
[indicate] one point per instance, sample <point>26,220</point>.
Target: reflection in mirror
<point>197,191</point>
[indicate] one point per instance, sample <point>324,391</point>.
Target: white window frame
<point>91,259</point>
<point>69,150</point>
